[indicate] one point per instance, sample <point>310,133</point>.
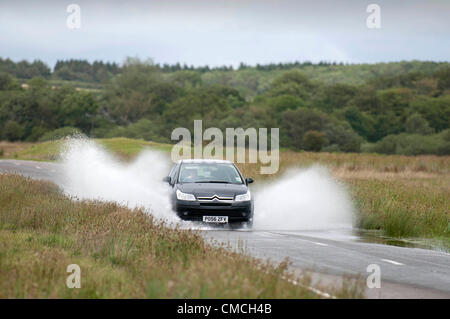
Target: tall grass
<point>122,253</point>
<point>413,208</point>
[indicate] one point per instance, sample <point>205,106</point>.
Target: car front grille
<point>215,198</point>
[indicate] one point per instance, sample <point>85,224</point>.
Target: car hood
<point>210,189</point>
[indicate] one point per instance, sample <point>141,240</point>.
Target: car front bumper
<point>195,210</point>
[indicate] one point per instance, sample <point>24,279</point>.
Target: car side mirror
<point>249,180</point>
<point>167,179</point>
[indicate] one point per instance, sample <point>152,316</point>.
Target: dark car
<point>211,191</point>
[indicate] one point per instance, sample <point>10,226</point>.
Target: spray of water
<point>91,172</point>
<point>302,200</point>
<point>307,199</point>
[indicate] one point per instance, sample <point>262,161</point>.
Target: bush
<point>367,148</point>
<point>36,133</point>
<point>363,124</point>
<point>59,133</point>
<point>314,141</point>
<point>142,129</point>
<point>344,137</point>
<point>416,124</point>
<point>296,123</point>
<point>444,147</point>
<point>284,102</point>
<point>7,82</point>
<point>387,145</point>
<point>414,144</point>
<point>332,148</point>
<point>13,131</point>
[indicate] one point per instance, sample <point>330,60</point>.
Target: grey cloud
<point>226,32</point>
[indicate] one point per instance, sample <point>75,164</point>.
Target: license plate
<point>215,219</point>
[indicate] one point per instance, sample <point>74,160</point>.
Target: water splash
<point>91,172</point>
<point>302,199</point>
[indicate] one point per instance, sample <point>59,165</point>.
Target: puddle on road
<point>377,237</point>
<point>355,235</point>
<point>348,234</point>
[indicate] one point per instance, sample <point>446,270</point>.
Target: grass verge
<point>122,253</point>
<point>124,148</point>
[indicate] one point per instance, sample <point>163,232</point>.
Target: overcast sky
<point>226,32</point>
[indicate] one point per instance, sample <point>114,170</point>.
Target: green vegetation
<point>413,144</point>
<point>129,148</point>
<point>60,133</point>
<point>390,108</point>
<point>410,207</point>
<point>123,253</point>
<point>124,148</point>
<point>46,151</point>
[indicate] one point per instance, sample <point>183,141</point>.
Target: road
<point>405,272</point>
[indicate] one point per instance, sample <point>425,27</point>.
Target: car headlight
<point>184,196</point>
<point>243,197</point>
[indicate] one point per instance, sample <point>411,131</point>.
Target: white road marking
<point>38,167</point>
<point>320,244</point>
<point>18,164</point>
<point>321,293</point>
<point>393,262</point>
<point>269,234</point>
<point>314,290</point>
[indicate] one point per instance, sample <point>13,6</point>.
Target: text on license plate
<point>215,219</point>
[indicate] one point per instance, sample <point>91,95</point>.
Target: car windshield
<point>209,173</point>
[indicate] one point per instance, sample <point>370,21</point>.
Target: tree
<point>395,100</point>
<point>335,96</point>
<point>7,82</point>
<point>187,79</point>
<point>207,104</point>
<point>363,124</point>
<point>293,76</point>
<point>343,137</point>
<point>387,123</point>
<point>64,73</point>
<point>416,124</point>
<point>443,77</point>
<point>139,92</point>
<point>435,110</point>
<point>77,110</point>
<point>314,141</point>
<point>292,83</point>
<point>295,123</point>
<point>284,102</point>
<point>13,131</point>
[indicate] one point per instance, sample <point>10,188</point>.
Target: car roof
<point>199,160</point>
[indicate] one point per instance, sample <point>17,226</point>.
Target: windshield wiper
<point>223,182</point>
